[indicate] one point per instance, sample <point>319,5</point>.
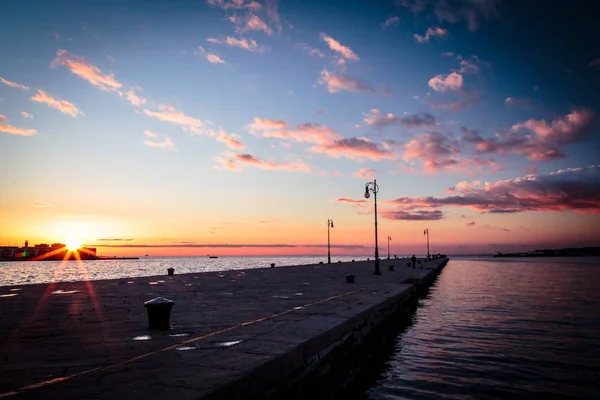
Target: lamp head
<point>367,194</point>
<point>331,224</point>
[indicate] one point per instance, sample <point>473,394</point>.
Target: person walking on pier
<point>413,260</point>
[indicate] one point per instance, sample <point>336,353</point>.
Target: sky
<point>239,127</point>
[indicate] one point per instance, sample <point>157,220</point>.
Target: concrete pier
<point>258,333</point>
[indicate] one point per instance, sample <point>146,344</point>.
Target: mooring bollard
<point>320,262</point>
<point>352,260</point>
<point>171,271</point>
<point>272,265</point>
<point>350,278</point>
<point>391,267</point>
<point>159,312</point>
<point>339,261</point>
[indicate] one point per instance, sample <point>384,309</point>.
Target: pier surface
<point>233,333</point>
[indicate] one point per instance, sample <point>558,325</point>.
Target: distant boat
<point>213,257</point>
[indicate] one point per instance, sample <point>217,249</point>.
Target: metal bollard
<point>170,271</point>
<point>350,278</point>
<point>159,312</point>
<point>272,265</point>
<point>391,267</point>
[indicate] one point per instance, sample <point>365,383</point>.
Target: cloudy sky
<point>241,126</point>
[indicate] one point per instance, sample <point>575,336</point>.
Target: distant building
<point>44,252</point>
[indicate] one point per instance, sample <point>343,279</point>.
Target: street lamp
<point>426,232</point>
<point>373,187</point>
<point>329,225</point>
<point>389,239</point>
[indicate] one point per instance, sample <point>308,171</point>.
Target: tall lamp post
<point>329,225</point>
<point>426,232</point>
<point>373,187</point>
<point>389,239</point>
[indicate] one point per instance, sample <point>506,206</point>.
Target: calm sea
<point>488,329</point>
<point>500,329</point>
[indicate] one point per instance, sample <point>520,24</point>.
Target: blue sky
<point>236,121</point>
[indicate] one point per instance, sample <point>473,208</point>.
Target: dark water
<point>508,328</point>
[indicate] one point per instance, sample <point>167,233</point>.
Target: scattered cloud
<point>4,127</point>
<point>351,201</point>
<point>254,23</point>
<point>448,54</point>
<point>210,57</point>
<point>261,124</point>
<point>151,134</point>
<point>134,99</point>
<point>229,140</point>
<point>433,31</point>
<point>443,83</point>
<point>390,21</point>
<point>467,101</point>
<point>469,11</point>
<point>595,64</point>
<point>61,105</point>
<point>245,44</point>
<point>576,189</point>
<point>366,173</point>
<point>165,144</point>
<point>41,204</point>
<point>338,47</point>
<point>236,161</point>
<point>26,115</point>
<point>236,4</point>
<point>520,103</point>
<point>417,215</point>
<point>545,141</point>
<point>114,240</point>
<point>168,114</point>
<point>374,118</point>
<point>337,83</point>
<point>355,148</point>
<point>80,67</point>
<point>13,84</point>
<point>531,169</point>
<point>310,50</point>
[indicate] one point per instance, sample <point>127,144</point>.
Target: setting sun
<point>73,244</point>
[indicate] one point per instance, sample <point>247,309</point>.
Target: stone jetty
<point>257,333</point>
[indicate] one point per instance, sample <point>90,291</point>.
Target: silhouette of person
<point>413,260</point>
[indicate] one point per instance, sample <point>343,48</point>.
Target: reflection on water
<point>501,329</point>
<point>30,272</point>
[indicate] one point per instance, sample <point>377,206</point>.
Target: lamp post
<point>389,239</point>
<point>373,187</point>
<point>329,225</point>
<point>426,232</point>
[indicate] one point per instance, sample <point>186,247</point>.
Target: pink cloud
<point>26,115</point>
<point>150,134</point>
<point>470,224</point>
<point>80,67</point>
<point>134,99</point>
<point>4,127</point>
<point>515,102</point>
<point>443,83</point>
<point>166,144</point>
<point>366,173</point>
<point>13,84</point>
<point>249,159</point>
<point>545,141</point>
<point>245,44</point>
<point>338,47</point>
<point>310,50</point>
<point>261,124</point>
<point>254,23</point>
<point>433,31</point>
<point>210,57</point>
<point>229,141</point>
<point>168,114</point>
<point>470,11</point>
<point>337,83</point>
<point>376,119</point>
<point>576,189</point>
<point>355,148</point>
<point>531,169</point>
<point>419,215</point>
<point>235,4</point>
<point>305,132</point>
<point>351,201</point>
<point>61,105</point>
<point>390,21</point>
